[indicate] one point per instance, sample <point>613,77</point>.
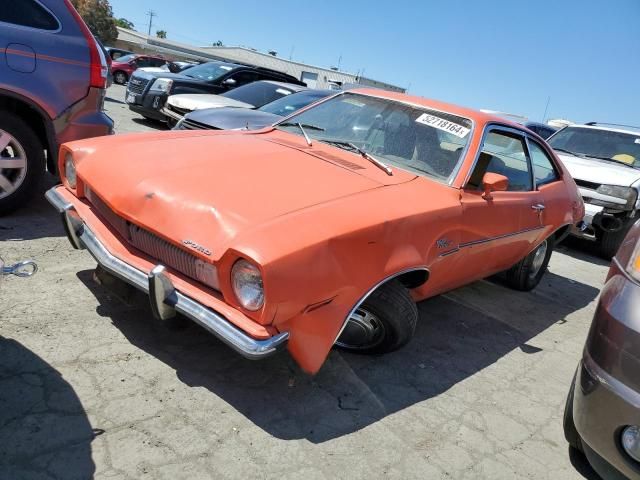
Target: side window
<point>142,62</point>
<point>28,13</point>
<point>243,78</point>
<point>157,62</point>
<point>503,153</point>
<point>543,169</point>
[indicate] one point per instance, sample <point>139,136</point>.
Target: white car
<point>252,95</point>
<point>604,161</point>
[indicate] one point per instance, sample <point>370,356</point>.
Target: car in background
<point>229,118</point>
<point>324,229</point>
<point>115,53</point>
<point>147,92</point>
<point>53,77</point>
<point>123,67</point>
<point>253,95</point>
<point>604,160</point>
<point>542,129</point>
<point>173,67</point>
<point>602,413</point>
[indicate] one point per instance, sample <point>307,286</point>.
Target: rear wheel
<point>385,322</point>
<point>568,424</point>
<point>22,162</point>
<point>120,77</point>
<point>527,273</point>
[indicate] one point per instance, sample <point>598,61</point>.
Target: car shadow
<point>44,430</point>
<point>582,249</point>
<point>113,100</point>
<point>459,334</point>
<point>37,219</point>
<point>156,124</point>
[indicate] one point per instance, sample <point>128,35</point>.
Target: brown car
<point>602,414</point>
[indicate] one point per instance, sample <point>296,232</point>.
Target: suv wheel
<point>611,241</point>
<point>22,162</point>
<point>120,77</point>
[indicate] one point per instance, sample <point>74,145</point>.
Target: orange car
<point>324,229</point>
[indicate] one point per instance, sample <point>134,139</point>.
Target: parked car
<point>230,118</point>
<point>252,95</point>
<point>324,229</point>
<point>148,92</point>
<point>173,67</point>
<point>115,53</point>
<point>604,161</point>
<point>26,268</point>
<point>542,129</point>
<point>602,414</point>
<point>123,67</point>
<point>53,77</point>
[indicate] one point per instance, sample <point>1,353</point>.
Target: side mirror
<point>493,182</point>
<point>229,82</point>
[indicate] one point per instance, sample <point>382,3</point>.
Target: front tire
<point>611,241</point>
<point>385,322</point>
<point>527,273</point>
<point>120,77</point>
<point>22,162</point>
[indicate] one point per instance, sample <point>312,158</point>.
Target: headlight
<point>628,194</point>
<point>633,268</point>
<point>70,170</point>
<point>246,280</point>
<point>162,85</point>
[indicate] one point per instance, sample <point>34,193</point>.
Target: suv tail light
<point>98,64</point>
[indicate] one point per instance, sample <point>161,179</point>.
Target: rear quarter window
<point>28,13</point>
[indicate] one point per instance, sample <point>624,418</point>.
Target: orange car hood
<point>209,188</point>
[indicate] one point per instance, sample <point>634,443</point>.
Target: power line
<point>151,14</point>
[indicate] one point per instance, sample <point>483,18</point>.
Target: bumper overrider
<point>164,298</point>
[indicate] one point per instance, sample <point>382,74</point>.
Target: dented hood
<point>211,187</point>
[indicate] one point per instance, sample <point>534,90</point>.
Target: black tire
<point>568,424</point>
<point>395,314</point>
<point>527,273</point>
<point>33,150</point>
<point>611,241</point>
<point>120,77</point>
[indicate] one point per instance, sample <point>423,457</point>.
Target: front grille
<point>137,85</point>
<point>586,184</point>
<point>155,247</point>
<point>188,124</point>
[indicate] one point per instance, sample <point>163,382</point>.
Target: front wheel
<point>527,273</point>
<point>611,241</point>
<point>385,322</point>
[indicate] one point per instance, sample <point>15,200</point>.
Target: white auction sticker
<point>444,125</point>
<point>637,140</point>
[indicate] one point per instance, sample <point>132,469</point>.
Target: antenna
<point>545,109</point>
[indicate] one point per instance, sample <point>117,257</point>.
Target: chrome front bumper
<point>164,298</point>
<point>168,113</point>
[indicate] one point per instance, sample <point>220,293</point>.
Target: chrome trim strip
<point>373,289</point>
<point>210,320</point>
<point>498,237</point>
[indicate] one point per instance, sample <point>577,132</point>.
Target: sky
<point>506,55</point>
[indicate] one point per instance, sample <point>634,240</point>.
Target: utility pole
<point>151,14</point>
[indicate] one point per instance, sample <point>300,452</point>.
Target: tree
<point>98,16</point>
<point>217,44</point>
<point>124,23</point>
<point>161,34</point>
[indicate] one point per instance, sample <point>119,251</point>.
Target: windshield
<point>593,142</point>
<point>417,139</point>
<point>258,93</point>
<point>210,71</point>
<point>289,104</point>
<point>126,58</point>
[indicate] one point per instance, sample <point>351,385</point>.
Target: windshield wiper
<point>378,163</point>
<point>302,127</point>
<point>575,154</point>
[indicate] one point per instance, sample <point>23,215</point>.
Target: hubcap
<point>363,330</point>
<point>13,164</point>
<point>538,258</point>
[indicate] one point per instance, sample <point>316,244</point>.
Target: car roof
<point>475,115</point>
<point>620,129</point>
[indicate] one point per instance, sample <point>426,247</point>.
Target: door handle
<point>538,207</point>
